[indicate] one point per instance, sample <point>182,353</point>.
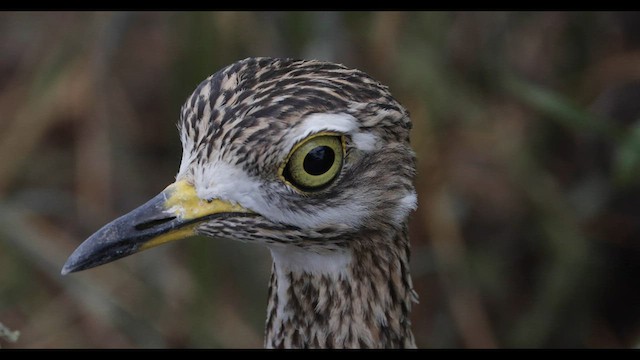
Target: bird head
<point>287,153</point>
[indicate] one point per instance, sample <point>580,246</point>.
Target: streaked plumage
<point>340,276</point>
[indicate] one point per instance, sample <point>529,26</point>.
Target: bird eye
<point>314,163</point>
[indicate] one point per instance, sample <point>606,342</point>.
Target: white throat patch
<point>290,259</point>
<point>296,260</point>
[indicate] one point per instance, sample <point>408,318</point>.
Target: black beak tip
<point>73,263</point>
<point>123,236</point>
<point>100,248</point>
<point>66,269</point>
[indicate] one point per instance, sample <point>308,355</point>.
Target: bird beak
<point>171,215</point>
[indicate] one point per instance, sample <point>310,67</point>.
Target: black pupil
<point>319,160</point>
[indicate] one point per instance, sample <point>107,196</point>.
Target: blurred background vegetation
<point>526,127</point>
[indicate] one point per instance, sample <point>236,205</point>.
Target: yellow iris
<point>315,162</point>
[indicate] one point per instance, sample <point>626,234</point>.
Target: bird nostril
<point>153,223</point>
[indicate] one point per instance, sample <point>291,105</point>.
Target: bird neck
<point>356,297</point>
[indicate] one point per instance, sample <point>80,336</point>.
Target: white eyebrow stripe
<point>340,123</point>
<point>365,141</point>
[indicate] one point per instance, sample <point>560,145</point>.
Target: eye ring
<point>315,162</point>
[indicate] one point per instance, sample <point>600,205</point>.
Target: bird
<point>311,159</point>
